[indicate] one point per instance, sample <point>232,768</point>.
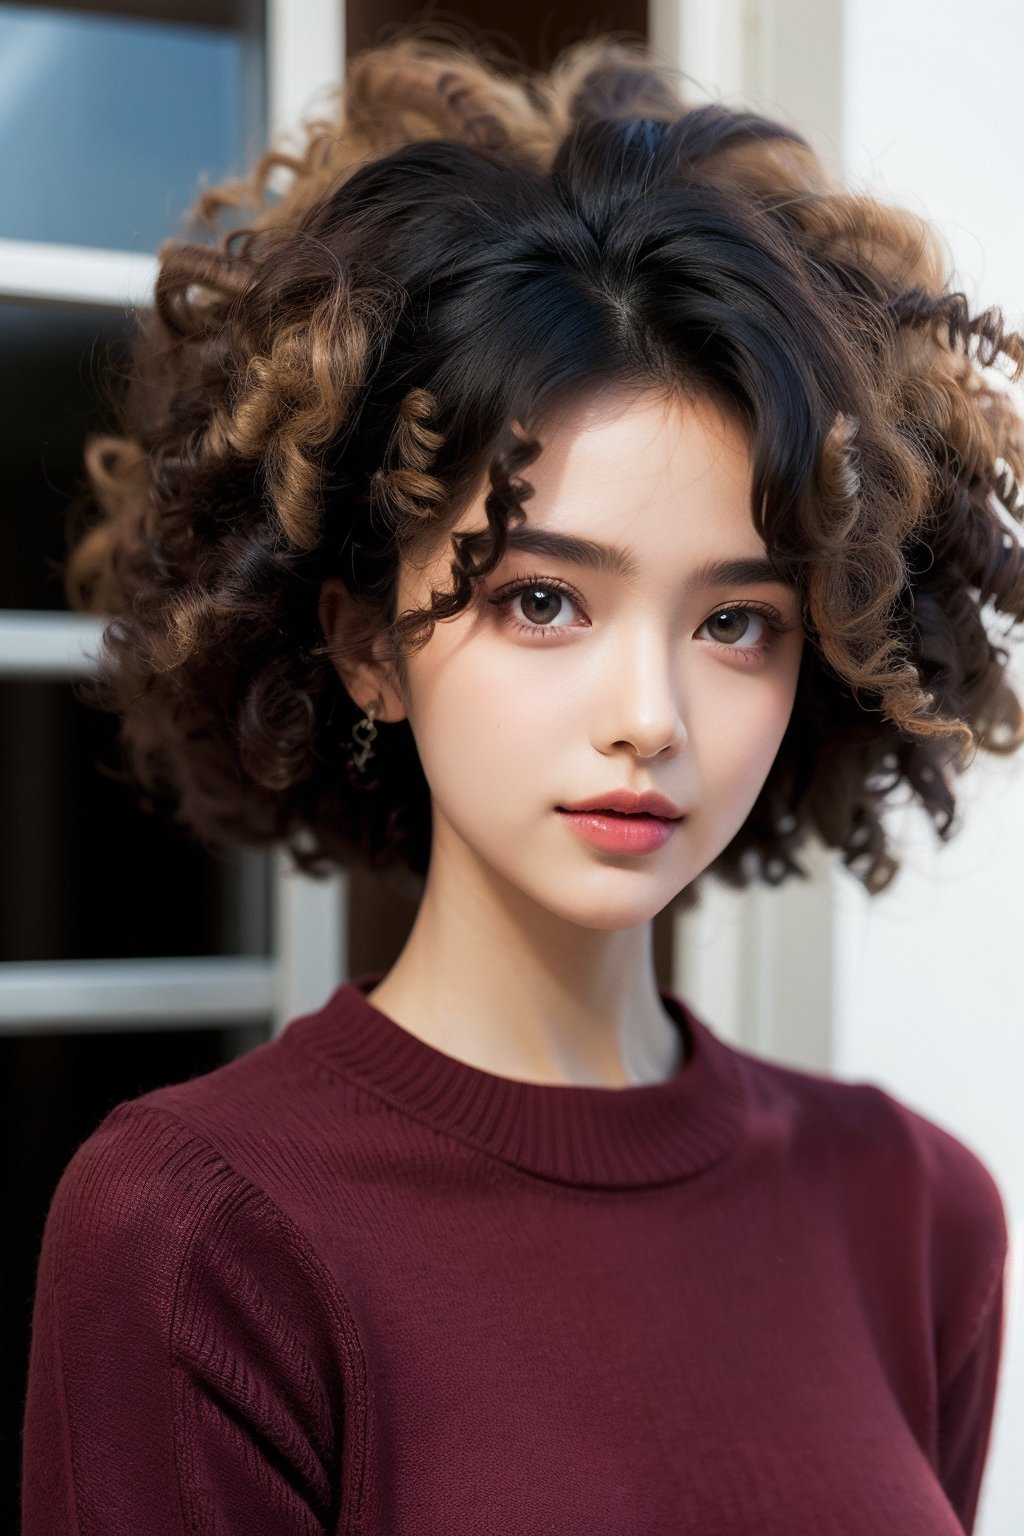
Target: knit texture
<point>348,1283</point>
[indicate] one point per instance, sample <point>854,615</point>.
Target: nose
<point>641,708</point>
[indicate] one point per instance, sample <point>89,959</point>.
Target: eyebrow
<point>610,560</point>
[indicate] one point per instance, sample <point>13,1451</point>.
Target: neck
<point>490,978</point>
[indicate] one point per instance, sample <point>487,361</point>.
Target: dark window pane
<point>108,120</point>
<point>534,31</point>
<point>87,872</point>
<point>53,363</point>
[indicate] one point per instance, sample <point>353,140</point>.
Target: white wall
<point>928,983</point>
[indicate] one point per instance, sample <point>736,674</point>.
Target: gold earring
<point>364,732</point>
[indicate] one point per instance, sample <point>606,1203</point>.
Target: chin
<point>605,912</point>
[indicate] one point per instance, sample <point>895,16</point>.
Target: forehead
<point>653,476</point>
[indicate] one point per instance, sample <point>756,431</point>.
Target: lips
<point>619,832</point>
<point>624,802</point>
<point>606,810</point>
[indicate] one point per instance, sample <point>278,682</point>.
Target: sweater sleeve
<point>966,1411</point>
<point>183,1371</point>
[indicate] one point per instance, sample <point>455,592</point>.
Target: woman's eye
<point>728,626</point>
<point>542,605</point>
<point>537,606</point>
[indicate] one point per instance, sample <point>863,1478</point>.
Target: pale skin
<point>531,954</point>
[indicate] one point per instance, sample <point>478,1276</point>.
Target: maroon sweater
<point>348,1283</point>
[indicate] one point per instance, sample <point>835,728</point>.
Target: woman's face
<point>638,668</point>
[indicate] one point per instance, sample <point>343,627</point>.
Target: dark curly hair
<point>464,247</point>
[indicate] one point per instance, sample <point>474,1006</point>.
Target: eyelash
<point>505,596</point>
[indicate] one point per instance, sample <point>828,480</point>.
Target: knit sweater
<point>349,1283</point>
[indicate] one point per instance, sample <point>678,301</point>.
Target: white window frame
<point>308,935</point>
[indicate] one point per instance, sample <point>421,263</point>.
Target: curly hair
<point>463,247</point>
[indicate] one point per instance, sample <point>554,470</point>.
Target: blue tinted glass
<point>107,123</point>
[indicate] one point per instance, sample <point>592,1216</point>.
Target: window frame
<point>308,939</point>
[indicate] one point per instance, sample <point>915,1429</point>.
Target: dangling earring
<point>364,732</point>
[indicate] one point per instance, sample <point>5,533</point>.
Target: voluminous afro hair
<point>464,246</point>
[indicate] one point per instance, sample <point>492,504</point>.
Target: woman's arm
<point>181,1366</point>
<point>966,1409</point>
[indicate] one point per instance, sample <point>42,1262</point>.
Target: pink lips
<point>614,832</point>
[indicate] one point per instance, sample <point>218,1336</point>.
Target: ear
<point>363,675</point>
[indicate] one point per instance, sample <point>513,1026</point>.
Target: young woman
<point>552,496</point>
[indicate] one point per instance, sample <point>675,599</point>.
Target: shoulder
<point>231,1166</point>
<point>148,1212</point>
<point>138,1174</point>
<point>144,1176</point>
<point>251,1115</point>
<point>240,1345</point>
<point>149,1188</point>
<point>145,1169</point>
<point>965,1226</point>
<point>899,1179</point>
<point>863,1119</point>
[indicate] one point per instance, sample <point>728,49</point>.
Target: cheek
<point>476,724</point>
<point>739,731</point>
<point>500,735</point>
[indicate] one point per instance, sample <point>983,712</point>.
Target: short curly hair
<point>463,247</point>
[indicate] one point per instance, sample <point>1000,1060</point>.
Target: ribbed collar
<point>614,1138</point>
